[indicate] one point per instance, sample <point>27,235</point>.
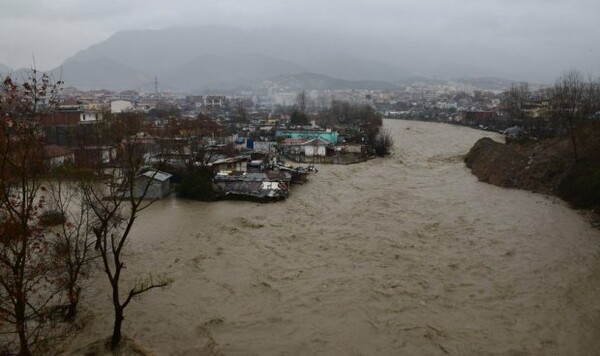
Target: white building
<point>316,147</point>
<point>119,106</point>
<point>90,117</point>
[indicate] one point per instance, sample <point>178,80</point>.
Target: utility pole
<point>156,85</point>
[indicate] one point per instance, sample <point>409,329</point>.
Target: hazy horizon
<point>531,40</point>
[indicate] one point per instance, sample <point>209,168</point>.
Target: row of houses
<point>84,156</point>
<point>71,135</point>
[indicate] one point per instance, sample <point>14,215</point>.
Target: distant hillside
<point>237,71</point>
<point>22,74</point>
<point>488,83</point>
<point>161,51</point>
<point>297,82</point>
<point>195,57</point>
<point>101,73</point>
<point>352,68</point>
<point>215,71</point>
<point>481,83</point>
<point>421,80</point>
<point>451,70</point>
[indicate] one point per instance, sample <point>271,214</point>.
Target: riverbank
<point>545,167</point>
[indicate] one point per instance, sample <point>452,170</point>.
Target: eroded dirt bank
<point>405,255</point>
<point>545,166</point>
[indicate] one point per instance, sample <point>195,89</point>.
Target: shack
<point>317,147</point>
<point>239,163</point>
<point>253,186</point>
<point>56,156</point>
<point>157,182</point>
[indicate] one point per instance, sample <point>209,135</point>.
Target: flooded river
<point>407,255</point>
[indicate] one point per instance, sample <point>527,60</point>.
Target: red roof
<point>56,151</point>
<point>59,118</point>
<point>294,141</point>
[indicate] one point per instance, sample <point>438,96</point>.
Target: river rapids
<point>405,255</point>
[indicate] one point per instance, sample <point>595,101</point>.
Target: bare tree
<point>513,103</point>
<point>573,101</point>
<point>240,113</point>
<point>384,142</point>
<point>190,143</point>
<point>590,144</point>
<point>204,132</point>
<point>74,240</point>
<point>24,266</point>
<point>115,203</point>
<point>301,101</point>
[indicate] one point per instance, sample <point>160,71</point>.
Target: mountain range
<point>193,59</point>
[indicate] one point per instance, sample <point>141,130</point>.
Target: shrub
<point>383,143</point>
<point>582,186</point>
<point>197,185</point>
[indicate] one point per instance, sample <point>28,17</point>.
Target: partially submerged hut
<point>253,186</point>
<point>154,183</point>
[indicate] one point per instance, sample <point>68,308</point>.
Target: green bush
<point>582,186</point>
<point>196,185</point>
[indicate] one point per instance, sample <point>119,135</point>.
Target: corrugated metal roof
<point>158,175</point>
<point>318,141</point>
<point>230,160</point>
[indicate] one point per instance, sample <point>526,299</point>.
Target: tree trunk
<point>22,331</point>
<point>71,312</point>
<point>116,336</point>
<point>73,302</point>
<point>575,153</point>
<point>573,140</point>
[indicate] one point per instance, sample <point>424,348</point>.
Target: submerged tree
<point>372,127</point>
<point>359,119</point>
<point>74,241</point>
<point>384,142</point>
<point>115,203</point>
<point>24,263</point>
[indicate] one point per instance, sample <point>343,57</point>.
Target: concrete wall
<point>311,151</point>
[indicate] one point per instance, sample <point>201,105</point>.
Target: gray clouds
<point>513,31</point>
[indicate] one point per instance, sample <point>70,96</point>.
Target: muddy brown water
<point>403,255</point>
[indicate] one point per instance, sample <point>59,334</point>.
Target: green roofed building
<point>329,135</point>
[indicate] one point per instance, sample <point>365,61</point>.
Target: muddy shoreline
<point>544,166</point>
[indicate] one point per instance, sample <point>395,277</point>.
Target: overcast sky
<point>559,34</point>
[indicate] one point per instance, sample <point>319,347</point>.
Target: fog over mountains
<point>191,59</point>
